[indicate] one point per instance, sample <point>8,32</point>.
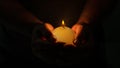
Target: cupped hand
<point>83,34</point>
<point>43,32</point>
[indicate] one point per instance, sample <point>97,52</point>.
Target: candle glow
<point>64,34</point>
<point>63,23</point>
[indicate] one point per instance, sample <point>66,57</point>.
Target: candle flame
<point>63,23</point>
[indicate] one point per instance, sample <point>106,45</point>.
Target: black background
<point>112,36</point>
<point>111,26</point>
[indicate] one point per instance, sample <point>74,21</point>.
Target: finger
<point>74,28</point>
<point>78,31</point>
<point>49,27</point>
<point>77,28</point>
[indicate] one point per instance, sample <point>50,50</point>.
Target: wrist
<point>85,20</point>
<point>83,23</point>
<point>37,24</point>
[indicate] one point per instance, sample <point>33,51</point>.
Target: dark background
<point>112,36</point>
<point>111,26</point>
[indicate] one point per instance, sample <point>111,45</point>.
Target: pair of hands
<point>77,28</point>
<point>44,33</point>
<point>49,51</point>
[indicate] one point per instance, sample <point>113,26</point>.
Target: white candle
<point>64,34</point>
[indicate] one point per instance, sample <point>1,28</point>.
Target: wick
<point>63,26</point>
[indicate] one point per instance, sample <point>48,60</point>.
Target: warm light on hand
<point>49,27</point>
<point>77,28</point>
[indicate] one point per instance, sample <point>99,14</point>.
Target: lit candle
<point>64,34</point>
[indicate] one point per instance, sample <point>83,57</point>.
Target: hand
<point>50,52</point>
<point>43,32</point>
<point>83,34</point>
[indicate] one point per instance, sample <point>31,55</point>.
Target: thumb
<point>77,29</point>
<point>49,27</point>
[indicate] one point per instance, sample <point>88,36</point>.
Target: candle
<point>64,34</point>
